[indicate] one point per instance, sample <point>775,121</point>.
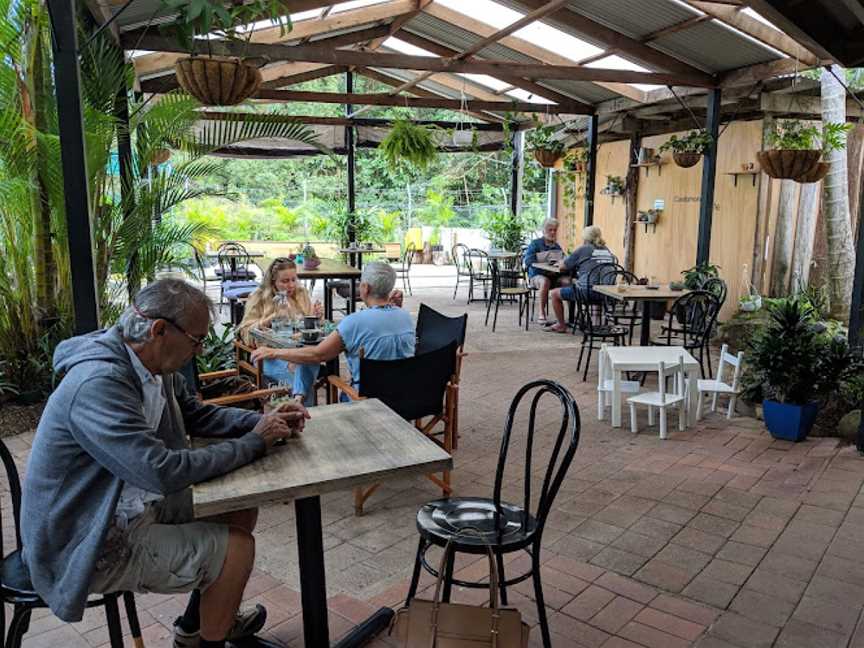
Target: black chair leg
<point>495,319</point>
<point>18,626</point>
<point>408,279</point>
<point>708,361</point>
<point>112,614</point>
<point>448,577</point>
<point>132,618</point>
<point>457,285</point>
<point>415,575</point>
<point>502,579</point>
<point>588,359</point>
<point>541,603</point>
<point>581,353</point>
<point>488,309</point>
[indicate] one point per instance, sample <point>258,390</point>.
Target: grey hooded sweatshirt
<point>92,438</point>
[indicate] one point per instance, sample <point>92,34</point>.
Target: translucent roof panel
<point>615,62</point>
<point>498,16</point>
<point>405,48</point>
<point>486,80</point>
<point>354,4</point>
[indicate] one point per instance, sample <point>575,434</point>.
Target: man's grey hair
<point>380,278</point>
<point>172,299</point>
<point>550,222</point>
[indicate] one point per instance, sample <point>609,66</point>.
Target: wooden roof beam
<point>318,54</point>
<point>399,21</point>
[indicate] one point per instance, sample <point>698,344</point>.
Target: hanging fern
<point>409,143</point>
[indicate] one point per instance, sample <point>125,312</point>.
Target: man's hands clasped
<point>283,423</point>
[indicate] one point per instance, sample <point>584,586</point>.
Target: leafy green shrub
<point>506,232</point>
<point>544,138</point>
<point>696,141</point>
<point>409,143</point>
<point>697,275</point>
<point>217,351</point>
<point>794,134</point>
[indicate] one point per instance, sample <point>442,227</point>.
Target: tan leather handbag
<point>433,624</point>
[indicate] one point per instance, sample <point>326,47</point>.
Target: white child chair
<point>718,386</point>
<point>661,399</point>
<point>604,384</point>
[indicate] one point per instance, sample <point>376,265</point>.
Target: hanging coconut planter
<point>816,174</point>
<point>547,157</point>
<point>217,81</point>
<point>789,164</point>
<point>686,159</point>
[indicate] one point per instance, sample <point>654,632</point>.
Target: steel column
<point>856,313</point>
<point>516,174</point>
<point>591,169</point>
<point>709,172</point>
<point>349,147</point>
<point>551,194</point>
<point>74,160</point>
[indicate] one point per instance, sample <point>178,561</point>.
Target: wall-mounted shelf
<point>735,175</point>
<point>648,165</point>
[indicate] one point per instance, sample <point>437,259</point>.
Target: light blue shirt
<point>383,332</point>
<point>134,500</point>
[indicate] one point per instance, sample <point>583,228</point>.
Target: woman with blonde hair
<point>280,295</point>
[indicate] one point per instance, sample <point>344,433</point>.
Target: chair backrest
<point>561,454</point>
<point>460,257</point>
<point>604,274</point>
<point>478,261</point>
<point>693,315</point>
<point>229,250</point>
<point>675,370</point>
<point>435,330</point>
<point>734,361</point>
<point>412,387</point>
<point>717,287</point>
<point>14,493</point>
<point>408,256</point>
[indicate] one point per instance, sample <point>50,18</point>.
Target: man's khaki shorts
<point>166,558</point>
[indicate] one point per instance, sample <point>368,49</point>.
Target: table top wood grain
<point>329,269</point>
<point>343,445</point>
<point>640,293</point>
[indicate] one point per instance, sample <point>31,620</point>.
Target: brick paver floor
<point>718,537</point>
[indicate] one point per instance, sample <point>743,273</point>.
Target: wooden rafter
<point>302,77</point>
<point>382,99</point>
<point>734,17</point>
<point>304,29</point>
<point>629,47</point>
<point>520,45</point>
<point>396,24</point>
<point>318,54</point>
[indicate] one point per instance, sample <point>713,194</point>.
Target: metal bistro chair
<point>594,332</point>
<point>623,313</point>
<point>690,322</point>
<point>500,525</point>
<point>478,266</point>
<point>233,260</point>
<point>416,388</point>
<point>17,590</point>
<point>403,268</point>
<point>460,254</point>
<point>519,291</point>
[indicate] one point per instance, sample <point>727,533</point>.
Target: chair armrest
<point>216,375</point>
<point>253,395</point>
<point>339,383</point>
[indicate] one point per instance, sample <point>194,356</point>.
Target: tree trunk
<point>835,188</point>
<point>855,158</point>
<point>631,190</point>
<point>805,233</point>
<point>784,235</point>
<point>763,216</point>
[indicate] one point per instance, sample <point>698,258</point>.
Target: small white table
<point>646,358</point>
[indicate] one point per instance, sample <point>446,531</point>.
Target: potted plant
<point>648,216</point>
<point>546,147</point>
<point>409,143</point>
<point>220,81</point>
<point>696,276</point>
<point>750,303</point>
<point>794,155</point>
<point>310,258</point>
<point>614,186</point>
<point>794,366</point>
<point>687,150</point>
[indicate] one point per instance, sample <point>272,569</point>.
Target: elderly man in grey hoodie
<point>106,501</point>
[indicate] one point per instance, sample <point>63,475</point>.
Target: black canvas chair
<point>472,524</point>
<point>421,389</point>
<point>17,591</point>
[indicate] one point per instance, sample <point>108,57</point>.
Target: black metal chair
<point>594,334</point>
<point>690,322</point>
<point>478,266</point>
<point>500,291</point>
<point>17,590</point>
<point>460,254</point>
<point>417,388</point>
<point>500,525</point>
<point>234,261</point>
<point>403,268</point>
<point>623,313</point>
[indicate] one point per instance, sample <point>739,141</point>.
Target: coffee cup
<point>311,335</point>
<point>310,322</point>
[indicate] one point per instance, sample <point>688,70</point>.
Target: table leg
<point>645,332</point>
<point>692,394</point>
<point>328,301</point>
<point>313,586</point>
<point>616,397</point>
<point>352,303</point>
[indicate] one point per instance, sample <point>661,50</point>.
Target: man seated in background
<point>383,331</point>
<point>107,503</point>
<point>543,250</point>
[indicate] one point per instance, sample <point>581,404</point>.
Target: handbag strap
<point>493,593</point>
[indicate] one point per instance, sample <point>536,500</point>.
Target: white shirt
<point>134,500</point>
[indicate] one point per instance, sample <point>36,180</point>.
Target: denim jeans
<point>301,379</point>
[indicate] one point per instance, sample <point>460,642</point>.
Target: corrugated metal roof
<point>432,86</point>
<point>635,18</point>
<point>585,90</point>
<point>714,47</point>
<point>441,32</point>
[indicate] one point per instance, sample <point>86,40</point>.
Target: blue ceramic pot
<point>788,421</point>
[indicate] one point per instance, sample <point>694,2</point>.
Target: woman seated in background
<point>280,295</point>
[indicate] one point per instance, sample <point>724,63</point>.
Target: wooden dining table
<point>644,295</point>
<point>355,254</point>
<point>342,446</point>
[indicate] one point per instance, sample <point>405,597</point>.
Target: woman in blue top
<point>543,249</point>
<point>383,330</point>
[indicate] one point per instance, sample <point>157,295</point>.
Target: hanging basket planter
<point>816,174</point>
<point>789,164</point>
<point>217,81</point>
<point>686,159</point>
<point>546,157</point>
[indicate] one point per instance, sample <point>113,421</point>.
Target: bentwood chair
<point>460,253</point>
<point>422,389</point>
<point>594,334</point>
<point>17,590</point>
<point>478,266</point>
<point>626,313</point>
<point>403,268</point>
<point>500,291</point>
<point>503,526</point>
<point>690,322</point>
